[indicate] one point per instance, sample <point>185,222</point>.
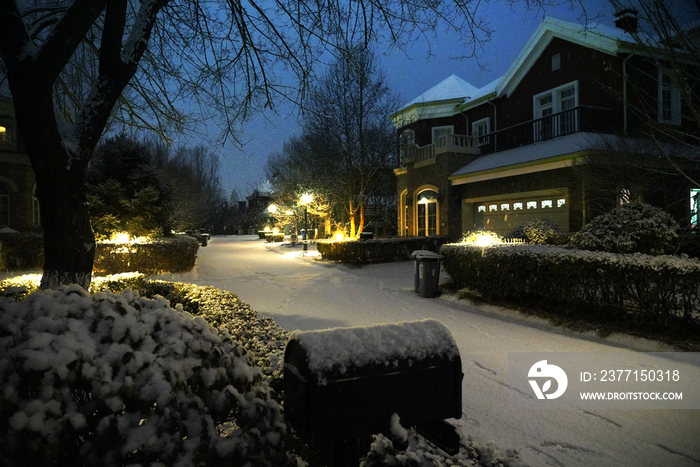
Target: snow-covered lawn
<point>305,293</point>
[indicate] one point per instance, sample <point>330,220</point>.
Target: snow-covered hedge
<point>155,256</point>
<point>381,250</point>
<point>654,288</point>
<point>110,379</point>
<point>536,231</point>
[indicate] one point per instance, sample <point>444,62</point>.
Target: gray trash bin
<point>428,274</point>
<point>416,270</point>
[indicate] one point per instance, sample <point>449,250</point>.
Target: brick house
<point>19,208</point>
<point>497,156</point>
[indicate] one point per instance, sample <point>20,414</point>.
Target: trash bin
<point>416,270</point>
<point>428,265</point>
<point>205,238</point>
<point>303,234</point>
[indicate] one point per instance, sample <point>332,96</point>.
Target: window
<point>440,131</point>
<point>554,112</point>
<point>4,205</point>
<point>36,212</point>
<point>426,213</point>
<point>407,144</point>
<point>5,134</point>
<point>694,199</point>
<point>480,129</point>
<point>669,100</point>
<point>556,62</point>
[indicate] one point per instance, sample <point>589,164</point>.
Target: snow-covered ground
<point>305,293</point>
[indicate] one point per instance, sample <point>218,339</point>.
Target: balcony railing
<point>582,118</point>
<point>460,144</point>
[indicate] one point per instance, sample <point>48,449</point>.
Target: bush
<point>117,379</point>
<point>21,251</point>
<point>377,251</point>
<point>637,287</point>
<point>482,236</point>
<point>177,254</point>
<point>629,228</point>
<point>536,231</point>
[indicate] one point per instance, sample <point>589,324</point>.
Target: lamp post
<point>306,198</point>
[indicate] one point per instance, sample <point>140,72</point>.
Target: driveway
<point>306,293</point>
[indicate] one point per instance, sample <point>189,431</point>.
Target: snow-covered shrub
<point>380,250</point>
<point>634,287</point>
<point>118,379</point>
<point>535,231</point>
<point>481,237</point>
<point>154,256</point>
<point>629,228</point>
<point>415,451</point>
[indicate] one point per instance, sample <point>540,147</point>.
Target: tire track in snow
<point>571,447</point>
<point>605,419</point>
<point>692,460</point>
<point>554,460</point>
<point>485,368</point>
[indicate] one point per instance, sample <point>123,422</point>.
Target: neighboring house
<point>494,157</point>
<point>19,208</point>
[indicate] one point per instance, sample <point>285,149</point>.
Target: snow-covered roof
<point>526,155</point>
<point>452,87</point>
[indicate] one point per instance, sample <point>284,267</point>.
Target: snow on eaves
<point>452,87</point>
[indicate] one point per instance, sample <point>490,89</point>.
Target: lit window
<point>561,202</point>
<point>694,198</point>
<point>517,206</point>
<point>482,208</point>
<point>3,134</point>
<point>493,207</point>
<point>505,207</point>
<point>547,203</point>
<point>532,204</point>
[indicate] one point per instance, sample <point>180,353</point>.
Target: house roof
<point>452,87</point>
<point>495,165</point>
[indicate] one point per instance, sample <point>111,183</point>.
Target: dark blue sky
<point>409,74</point>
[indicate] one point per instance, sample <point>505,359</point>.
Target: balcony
<point>457,144</point>
<point>579,119</point>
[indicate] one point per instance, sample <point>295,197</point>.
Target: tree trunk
<point>69,243</point>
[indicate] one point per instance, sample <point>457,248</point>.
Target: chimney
<point>627,20</point>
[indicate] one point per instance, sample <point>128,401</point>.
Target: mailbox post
<point>346,383</point>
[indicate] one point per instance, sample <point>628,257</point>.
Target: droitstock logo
<point>542,370</point>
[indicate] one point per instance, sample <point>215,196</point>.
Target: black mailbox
<point>346,383</point>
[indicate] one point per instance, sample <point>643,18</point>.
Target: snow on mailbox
<point>346,383</point>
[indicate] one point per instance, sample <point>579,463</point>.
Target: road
<point>303,292</point>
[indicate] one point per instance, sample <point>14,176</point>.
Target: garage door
<point>502,216</point>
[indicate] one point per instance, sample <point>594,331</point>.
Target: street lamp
<point>306,198</point>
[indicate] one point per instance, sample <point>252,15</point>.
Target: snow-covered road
<point>306,293</point>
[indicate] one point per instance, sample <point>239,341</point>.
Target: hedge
<point>649,288</point>
<point>382,250</point>
<point>21,251</point>
<point>177,254</point>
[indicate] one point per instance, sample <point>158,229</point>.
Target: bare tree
<point>73,65</point>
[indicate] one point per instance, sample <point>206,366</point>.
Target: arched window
<point>403,213</point>
<point>4,205</point>
<point>427,213</point>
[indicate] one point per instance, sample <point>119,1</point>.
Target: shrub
<point>156,256</point>
<point>21,251</point>
<point>536,231</point>
<point>478,237</point>
<point>117,379</point>
<point>629,228</point>
<point>377,251</point>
